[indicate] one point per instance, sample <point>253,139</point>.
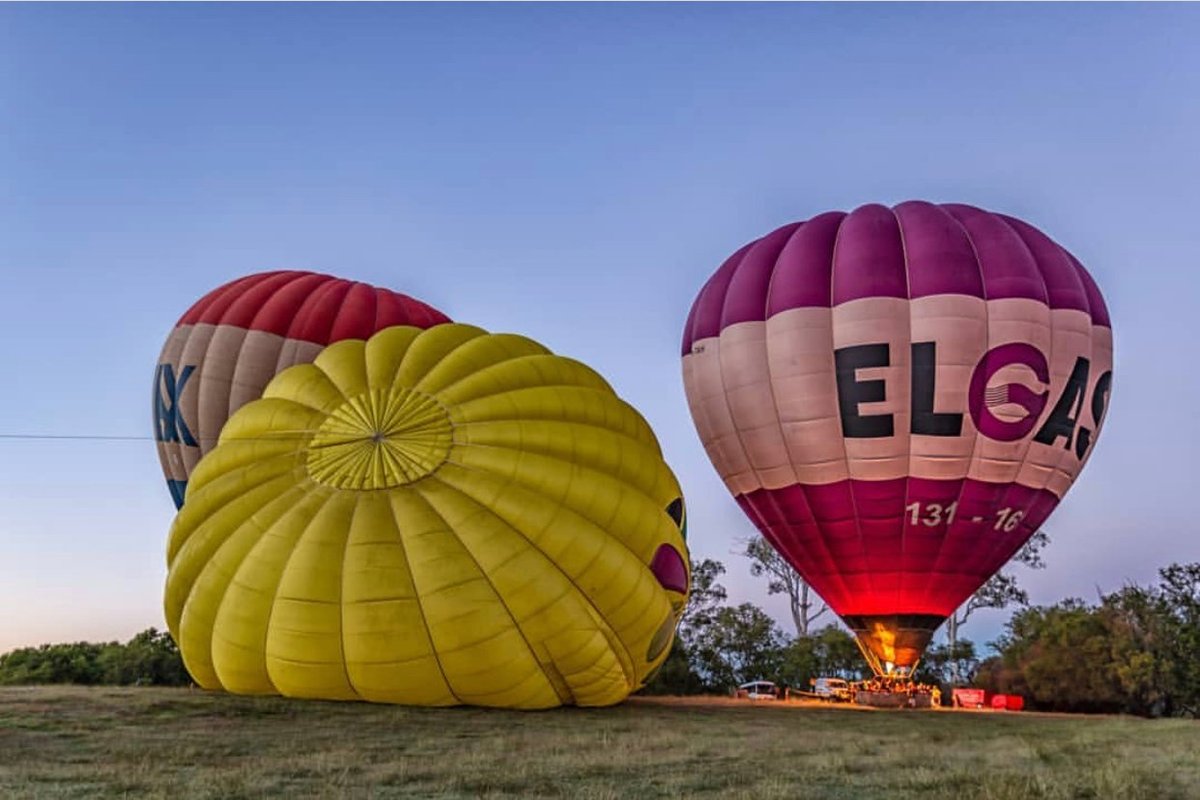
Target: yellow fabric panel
<point>540,598</point>
<point>606,502</point>
<point>547,583</point>
<point>198,545</point>
<point>522,372</point>
<point>389,656</point>
<point>266,455</point>
<point>582,406</point>
<point>307,385</point>
<point>384,352</point>
<point>431,517</point>
<point>466,359</point>
<point>230,499</point>
<point>633,463</point>
<point>478,645</point>
<point>304,639</point>
<point>273,418</point>
<point>345,364</point>
<point>426,352</point>
<point>233,651</point>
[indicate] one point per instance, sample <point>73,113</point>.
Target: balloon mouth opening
<point>892,644</point>
<point>381,439</point>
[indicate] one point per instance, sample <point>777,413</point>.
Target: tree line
<point>718,647</point>
<point>148,659</point>
<point>1136,650</point>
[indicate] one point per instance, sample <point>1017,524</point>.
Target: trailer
<point>1008,702</point>
<point>966,697</point>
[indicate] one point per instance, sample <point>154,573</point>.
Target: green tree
<point>999,592</point>
<point>1139,644</point>
<point>839,653</point>
<point>77,662</point>
<point>949,663</point>
<point>1179,600</point>
<point>1155,642</point>
<point>678,674</point>
<point>705,596</point>
<point>1063,654</point>
<point>151,657</point>
<point>782,578</point>
<point>829,653</point>
<point>1137,651</point>
<point>740,645</point>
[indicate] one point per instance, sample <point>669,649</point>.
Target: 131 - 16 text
<point>933,514</point>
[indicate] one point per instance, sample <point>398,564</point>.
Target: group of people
<point>887,685</point>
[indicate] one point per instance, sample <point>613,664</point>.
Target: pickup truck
<point>832,689</point>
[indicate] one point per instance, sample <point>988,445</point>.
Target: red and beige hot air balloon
<point>898,398</point>
<point>228,346</point>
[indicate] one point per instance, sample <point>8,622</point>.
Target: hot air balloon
<point>898,398</point>
<point>432,518</point>
<point>227,346</point>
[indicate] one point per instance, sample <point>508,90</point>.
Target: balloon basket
<point>887,699</point>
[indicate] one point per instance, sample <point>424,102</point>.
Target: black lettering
<point>1099,400</point>
<point>1082,440</point>
<point>169,425</point>
<point>1100,397</point>
<point>1063,418</point>
<point>924,374</point>
<point>852,392</point>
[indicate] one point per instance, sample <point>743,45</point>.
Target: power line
<point>100,437</point>
<point>66,436</point>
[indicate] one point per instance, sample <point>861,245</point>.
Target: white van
<point>757,690</point>
<point>832,689</point>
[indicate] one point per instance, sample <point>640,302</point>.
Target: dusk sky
<point>573,173</point>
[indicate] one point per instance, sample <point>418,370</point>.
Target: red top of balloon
<point>309,306</point>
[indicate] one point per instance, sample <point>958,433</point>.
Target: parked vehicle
<point>832,689</point>
<point>758,690</point>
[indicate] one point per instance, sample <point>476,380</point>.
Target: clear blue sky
<point>573,173</point>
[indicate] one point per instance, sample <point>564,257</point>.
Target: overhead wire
<point>101,437</point>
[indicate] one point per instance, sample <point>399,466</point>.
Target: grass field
<point>109,742</point>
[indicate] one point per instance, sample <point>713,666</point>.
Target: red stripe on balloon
<point>210,308</point>
<point>308,306</point>
<point>278,311</point>
<point>886,547</point>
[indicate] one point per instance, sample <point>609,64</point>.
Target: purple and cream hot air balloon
<point>899,398</point>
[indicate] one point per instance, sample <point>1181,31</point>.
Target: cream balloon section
<point>763,394</point>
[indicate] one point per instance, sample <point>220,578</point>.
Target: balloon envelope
<point>227,346</point>
<point>431,517</point>
<point>898,398</point>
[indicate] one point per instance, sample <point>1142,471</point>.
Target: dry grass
<point>105,742</point>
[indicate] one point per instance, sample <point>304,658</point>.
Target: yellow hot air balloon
<point>431,517</point>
